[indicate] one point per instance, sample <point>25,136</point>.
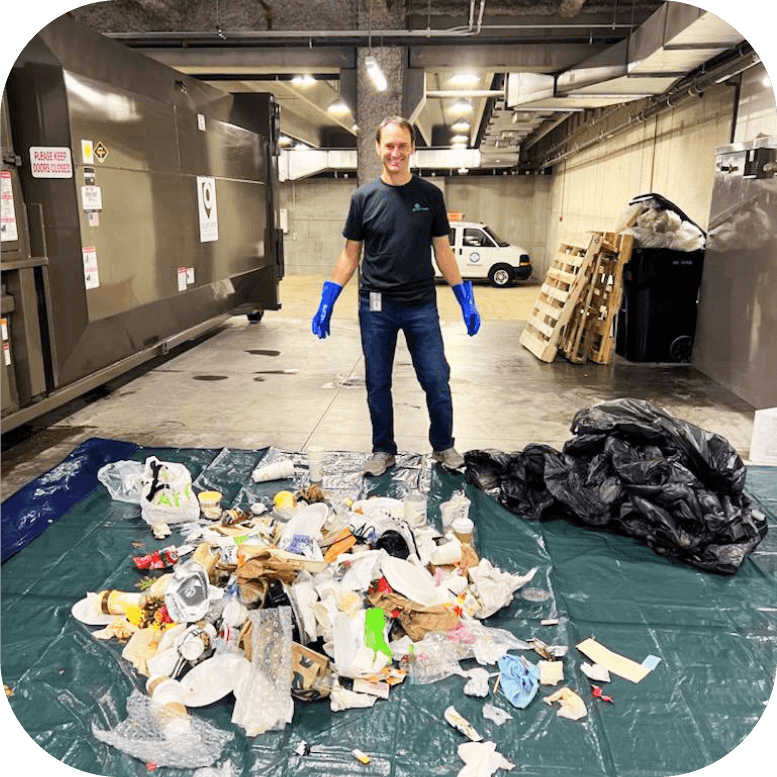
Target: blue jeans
<point>421,325</point>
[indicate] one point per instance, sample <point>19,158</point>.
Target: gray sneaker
<point>379,462</point>
<point>450,458</point>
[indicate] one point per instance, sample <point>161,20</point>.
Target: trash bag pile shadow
<point>467,690</point>
<point>634,468</point>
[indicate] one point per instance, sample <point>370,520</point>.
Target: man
<point>397,217</point>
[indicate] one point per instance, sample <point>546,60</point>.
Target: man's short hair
<point>400,121</point>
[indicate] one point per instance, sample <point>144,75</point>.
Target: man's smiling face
<point>394,149</point>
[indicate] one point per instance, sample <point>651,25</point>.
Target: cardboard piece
<point>617,664</point>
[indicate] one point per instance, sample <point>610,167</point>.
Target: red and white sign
<point>51,162</point>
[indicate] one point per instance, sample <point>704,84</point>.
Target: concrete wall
<point>672,154</point>
<point>515,207</point>
<point>317,208</point>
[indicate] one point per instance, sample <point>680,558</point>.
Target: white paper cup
<point>449,511</point>
<point>415,508</point>
<point>278,470</point>
<point>315,462</point>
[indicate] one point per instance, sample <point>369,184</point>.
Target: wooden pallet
<point>591,332</point>
<point>578,304</point>
<point>559,295</point>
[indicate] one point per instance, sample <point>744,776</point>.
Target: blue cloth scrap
<point>651,662</point>
<point>520,680</point>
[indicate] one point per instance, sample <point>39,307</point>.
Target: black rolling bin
<point>657,320</point>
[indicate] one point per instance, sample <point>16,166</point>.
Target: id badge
<point>376,301</point>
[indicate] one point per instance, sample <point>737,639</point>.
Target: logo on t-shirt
<point>417,207</point>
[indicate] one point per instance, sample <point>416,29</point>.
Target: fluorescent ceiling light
<point>338,107</point>
<point>375,73</point>
<point>459,139</point>
<point>284,140</point>
<point>460,126</point>
<point>300,147</point>
<point>767,82</point>
<point>303,80</point>
<point>464,79</point>
<point>461,106</point>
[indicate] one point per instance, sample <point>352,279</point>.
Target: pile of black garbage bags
<point>634,469</point>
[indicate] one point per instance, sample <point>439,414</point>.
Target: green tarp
<point>716,637</point>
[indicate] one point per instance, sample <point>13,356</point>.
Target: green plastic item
<point>374,627</point>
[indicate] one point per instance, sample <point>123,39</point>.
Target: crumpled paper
<point>120,628</point>
<point>571,705</point>
<point>496,714</point>
<point>477,684</point>
<point>481,759</point>
<point>494,588</point>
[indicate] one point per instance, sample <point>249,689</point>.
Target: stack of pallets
<point>579,300</point>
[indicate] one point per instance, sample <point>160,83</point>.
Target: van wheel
<point>500,275</point>
<point>255,317</point>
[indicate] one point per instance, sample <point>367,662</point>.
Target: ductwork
<point>674,41</point>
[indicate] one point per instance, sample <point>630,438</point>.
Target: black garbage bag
<point>635,469</point>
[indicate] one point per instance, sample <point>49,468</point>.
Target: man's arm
<point>347,262</point>
<point>446,261</point>
<point>344,269</point>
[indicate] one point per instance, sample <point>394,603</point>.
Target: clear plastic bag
<point>123,479</point>
<point>142,736</point>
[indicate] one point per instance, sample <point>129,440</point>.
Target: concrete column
<point>373,106</point>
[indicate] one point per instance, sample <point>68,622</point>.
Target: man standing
<point>397,217</point>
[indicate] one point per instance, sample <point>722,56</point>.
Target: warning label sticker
<point>7,211</point>
<point>91,275</point>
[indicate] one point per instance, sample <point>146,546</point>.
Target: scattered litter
<point>8,690</point>
<point>571,705</point>
<point>161,530</point>
<point>549,622</point>
<point>303,748</point>
<point>461,724</point>
<point>278,470</point>
<point>551,672</point>
<point>496,714</point>
<point>599,694</point>
<point>477,685</point>
<point>481,759</point>
<point>520,680</point>
<point>595,672</point>
<point>360,756</point>
<point>651,662</point>
<point>617,664</point>
<point>535,594</point>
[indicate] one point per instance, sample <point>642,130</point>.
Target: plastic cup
<point>462,529</point>
<point>449,511</point>
<point>315,462</point>
<point>210,504</point>
<point>278,470</point>
<point>415,508</point>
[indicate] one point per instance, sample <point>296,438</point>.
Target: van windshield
<point>498,240</point>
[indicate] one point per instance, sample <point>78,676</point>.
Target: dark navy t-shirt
<point>397,224</point>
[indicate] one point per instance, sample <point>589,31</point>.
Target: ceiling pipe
<point>466,93</point>
<point>357,37</point>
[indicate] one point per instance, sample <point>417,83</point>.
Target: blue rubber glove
<point>466,299</point>
<point>329,294</point>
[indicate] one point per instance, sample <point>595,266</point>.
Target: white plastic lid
<point>463,525</point>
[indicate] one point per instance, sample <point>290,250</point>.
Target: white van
<point>481,254</point>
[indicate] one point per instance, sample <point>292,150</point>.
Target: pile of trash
<point>635,469</point>
<point>657,222</point>
<point>312,598</point>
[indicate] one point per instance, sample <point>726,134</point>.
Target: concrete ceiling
<point>532,63</point>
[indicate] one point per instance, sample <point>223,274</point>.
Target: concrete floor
<point>274,383</point>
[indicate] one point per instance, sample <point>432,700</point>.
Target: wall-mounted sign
<point>51,162</point>
<point>91,274</point>
<point>206,200</point>
<point>100,151</point>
